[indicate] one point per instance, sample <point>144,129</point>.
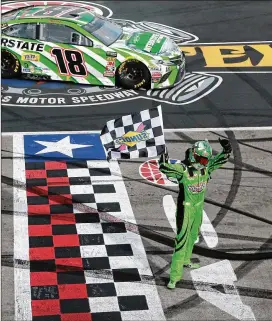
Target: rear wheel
<point>133,74</point>
<point>10,65</point>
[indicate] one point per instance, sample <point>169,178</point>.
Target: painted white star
<point>63,146</point>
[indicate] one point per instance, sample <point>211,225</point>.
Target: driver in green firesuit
<point>192,175</point>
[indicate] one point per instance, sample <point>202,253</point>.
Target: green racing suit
<point>192,187</point>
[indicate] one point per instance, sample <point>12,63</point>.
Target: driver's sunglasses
<point>201,160</point>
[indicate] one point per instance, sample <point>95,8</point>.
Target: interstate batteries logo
<point>204,64</point>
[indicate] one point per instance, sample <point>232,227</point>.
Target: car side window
<point>22,30</point>
<point>59,33</point>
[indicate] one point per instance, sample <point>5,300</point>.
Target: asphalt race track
<point>226,93</point>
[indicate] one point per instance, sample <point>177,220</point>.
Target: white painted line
<point>167,130</point>
<point>170,210</point>
<point>22,288</point>
<point>229,301</point>
<point>207,230</point>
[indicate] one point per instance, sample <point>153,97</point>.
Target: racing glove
<point>225,143</point>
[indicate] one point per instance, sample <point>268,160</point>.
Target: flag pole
<point>161,119</point>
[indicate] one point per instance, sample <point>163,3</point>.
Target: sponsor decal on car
<point>135,38</point>
<point>110,67</point>
<point>56,21</point>
<point>111,59</point>
<point>26,70</point>
<point>151,42</point>
<point>22,45</point>
<point>156,76</point>
<point>38,70</point>
<point>30,57</point>
<point>111,54</point>
<point>155,68</point>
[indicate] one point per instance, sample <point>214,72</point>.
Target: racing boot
<point>171,285</point>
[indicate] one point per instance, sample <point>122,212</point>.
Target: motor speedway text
<point>72,99</point>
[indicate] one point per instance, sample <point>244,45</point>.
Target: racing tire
<point>133,74</point>
<point>10,65</point>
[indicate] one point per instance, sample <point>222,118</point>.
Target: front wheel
<point>133,74</point>
<point>10,65</point>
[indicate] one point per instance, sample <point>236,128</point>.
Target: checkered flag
<point>134,136</point>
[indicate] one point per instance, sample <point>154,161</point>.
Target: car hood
<point>149,42</point>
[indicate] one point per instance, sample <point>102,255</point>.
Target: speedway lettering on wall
<point>196,84</point>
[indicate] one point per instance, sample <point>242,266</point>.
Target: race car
<point>69,43</point>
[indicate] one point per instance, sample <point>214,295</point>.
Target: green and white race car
<point>69,43</point>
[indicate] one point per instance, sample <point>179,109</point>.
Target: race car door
<point>71,55</point>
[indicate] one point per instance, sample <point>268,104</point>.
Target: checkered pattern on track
<point>83,268</point>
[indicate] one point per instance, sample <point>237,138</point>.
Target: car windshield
<point>104,30</point>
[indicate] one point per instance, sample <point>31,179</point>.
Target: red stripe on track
<point>69,264</point>
<point>37,173</point>
<point>38,209</point>
<point>65,240</point>
<point>43,278</point>
<point>76,317</point>
<point>71,291</point>
<point>37,191</point>
<point>60,199</point>
<point>45,307</point>
<point>40,230</point>
<point>61,219</point>
<point>55,165</point>
<point>41,253</point>
<point>58,181</point>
